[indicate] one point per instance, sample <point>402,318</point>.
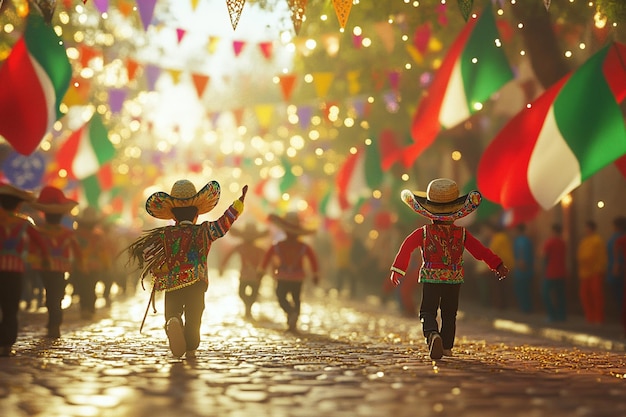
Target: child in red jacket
<point>442,244</point>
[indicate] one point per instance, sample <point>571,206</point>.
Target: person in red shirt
<point>15,232</point>
<point>287,261</point>
<point>555,274</point>
<point>64,252</point>
<point>442,244</point>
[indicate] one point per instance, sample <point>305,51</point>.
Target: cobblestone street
<point>347,361</point>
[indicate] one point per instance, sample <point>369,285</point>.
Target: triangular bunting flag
<point>194,4</point>
<point>266,49</point>
<point>342,9</point>
<point>287,83</point>
<point>238,114</point>
<point>152,73</point>
<point>175,74</point>
<point>385,33</point>
<point>264,113</point>
<point>180,34</point>
<point>322,82</point>
<point>235,7</point>
<point>238,47</point>
<point>117,96</point>
<point>131,68</point>
<point>466,8</point>
<point>146,11</point>
<point>354,86</point>
<point>200,81</point>
<point>102,5</point>
<point>297,8</point>
<point>212,44</point>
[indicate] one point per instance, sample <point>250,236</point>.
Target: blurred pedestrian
<point>554,275</point>
<point>176,256</point>
<point>98,259</point>
<point>64,252</point>
<point>442,244</point>
<point>523,270</point>
<point>615,263</point>
<point>286,258</point>
<point>591,258</point>
<point>251,256</point>
<point>500,243</point>
<point>15,231</point>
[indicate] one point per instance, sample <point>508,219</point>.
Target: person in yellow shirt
<point>500,243</point>
<point>591,258</point>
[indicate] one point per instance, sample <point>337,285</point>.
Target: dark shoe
<point>53,332</point>
<point>448,352</point>
<point>435,346</point>
<point>176,336</point>
<point>292,321</point>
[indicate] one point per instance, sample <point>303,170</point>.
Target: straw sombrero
<point>441,201</point>
<point>183,194</point>
<point>52,200</point>
<point>249,232</point>
<point>89,216</point>
<point>8,189</point>
<point>290,223</point>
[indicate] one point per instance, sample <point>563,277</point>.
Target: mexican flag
<point>86,150</point>
<point>33,81</point>
<point>474,68</point>
<point>567,134</point>
<point>360,173</point>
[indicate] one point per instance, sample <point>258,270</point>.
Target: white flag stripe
<point>454,105</point>
<point>85,162</point>
<point>48,91</point>
<point>553,169</point>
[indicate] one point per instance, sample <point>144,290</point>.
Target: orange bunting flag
<point>264,113</point>
<point>235,7</point>
<point>238,47</point>
<point>297,8</point>
<point>287,83</point>
<point>385,33</point>
<point>131,68</point>
<point>87,54</point>
<point>342,9</point>
<point>125,7</point>
<point>322,82</point>
<point>200,81</point>
<point>267,49</point>
<point>175,74</point>
<point>238,114</point>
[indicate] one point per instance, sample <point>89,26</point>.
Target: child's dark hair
<point>53,218</point>
<point>10,202</point>
<point>591,225</point>
<point>185,213</point>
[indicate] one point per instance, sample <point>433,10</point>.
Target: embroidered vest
<point>442,252</point>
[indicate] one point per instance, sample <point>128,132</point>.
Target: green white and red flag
<point>474,68</point>
<point>574,129</point>
<point>33,81</point>
<point>86,150</point>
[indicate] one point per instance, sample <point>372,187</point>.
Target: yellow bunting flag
<point>235,7</point>
<point>342,9</point>
<point>287,83</point>
<point>194,4</point>
<point>297,8</point>
<point>200,81</point>
<point>175,74</point>
<point>322,82</point>
<point>415,53</point>
<point>264,113</point>
<point>354,86</point>
<point>212,44</point>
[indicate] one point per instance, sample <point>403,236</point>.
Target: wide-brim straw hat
<point>249,232</point>
<point>52,200</point>
<point>441,201</point>
<point>90,215</point>
<point>290,223</point>
<point>8,189</point>
<point>183,194</point>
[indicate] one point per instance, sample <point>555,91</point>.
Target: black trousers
<point>446,298</point>
<point>249,297</point>
<point>9,305</point>
<point>283,289</point>
<point>54,283</point>
<point>85,285</point>
<point>187,301</point>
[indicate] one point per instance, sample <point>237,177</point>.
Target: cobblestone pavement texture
<point>348,360</point>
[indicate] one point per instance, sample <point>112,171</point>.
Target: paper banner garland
<point>146,11</point>
<point>297,8</point>
<point>266,49</point>
<point>235,7</point>
<point>547,3</point>
<point>342,9</point>
<point>200,81</point>
<point>287,83</point>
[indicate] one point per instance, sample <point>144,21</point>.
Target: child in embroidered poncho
<point>442,244</point>
<point>176,256</point>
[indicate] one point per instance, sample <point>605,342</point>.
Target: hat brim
<point>8,189</point>
<point>160,204</point>
<point>54,208</point>
<point>289,227</point>
<point>450,211</point>
<point>248,234</point>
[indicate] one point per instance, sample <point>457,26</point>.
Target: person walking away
<point>523,270</point>
<point>591,259</point>
<point>286,259</point>
<point>251,256</point>
<point>442,244</point>
<point>176,256</point>
<point>15,230</point>
<point>615,263</point>
<point>554,275</point>
<point>64,252</point>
